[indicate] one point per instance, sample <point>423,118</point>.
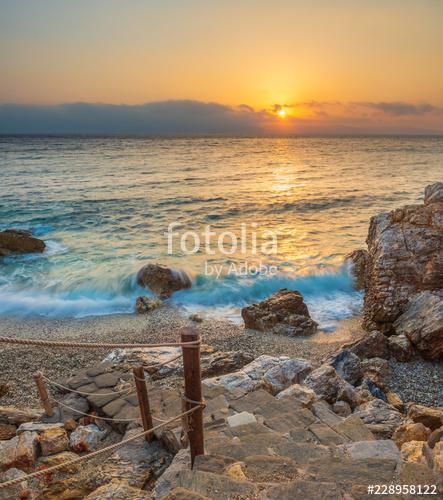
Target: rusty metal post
<point>143,400</point>
<point>193,391</point>
<point>43,393</point>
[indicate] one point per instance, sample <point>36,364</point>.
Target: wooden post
<point>43,393</point>
<point>193,391</point>
<point>143,400</point>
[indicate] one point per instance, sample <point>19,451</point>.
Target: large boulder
<point>283,312</point>
<point>357,261</point>
<point>292,371</point>
<point>422,323</point>
<point>19,241</point>
<point>404,258</point>
<point>372,345</point>
<point>162,280</point>
<point>347,365</point>
<point>328,385</point>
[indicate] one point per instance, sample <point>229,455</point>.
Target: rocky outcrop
<point>422,323</point>
<point>19,241</point>
<point>283,312</point>
<point>162,280</point>
<point>405,257</point>
<point>144,305</point>
<point>357,261</point>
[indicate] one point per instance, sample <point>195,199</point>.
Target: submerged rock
<point>19,241</point>
<point>162,280</point>
<point>422,323</point>
<point>404,258</point>
<point>283,312</point>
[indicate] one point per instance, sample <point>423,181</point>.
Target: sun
<point>281,113</point>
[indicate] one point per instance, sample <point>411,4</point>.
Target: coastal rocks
<point>144,305</point>
<point>377,370</point>
<point>422,323</point>
<point>327,384</point>
<point>410,432</point>
<point>18,416</point>
<point>19,452</point>
<point>7,431</point>
<point>404,258</point>
<point>417,452</point>
<point>400,348</point>
<point>118,489</point>
<point>86,438</point>
<point>162,280</point>
<point>347,365</point>
<point>357,260</point>
<point>300,393</point>
<point>377,412</point>
<point>283,312</point>
<point>19,241</point>
<point>428,416</point>
<point>53,441</point>
<point>224,362</point>
<point>292,371</point>
<point>373,345</point>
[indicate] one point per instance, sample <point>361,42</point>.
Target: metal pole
<point>143,400</point>
<point>43,393</point>
<point>193,391</point>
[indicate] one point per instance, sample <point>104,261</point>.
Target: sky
<point>221,67</point>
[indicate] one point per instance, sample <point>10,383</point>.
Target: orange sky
<point>258,53</point>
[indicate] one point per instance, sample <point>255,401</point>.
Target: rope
<point>126,392</point>
<point>94,345</point>
<point>89,456</point>
<point>96,416</point>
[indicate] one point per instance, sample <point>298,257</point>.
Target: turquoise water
<point>103,205</point>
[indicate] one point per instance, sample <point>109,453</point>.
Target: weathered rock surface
<point>327,384</point>
<point>116,490</point>
<point>410,432</point>
<point>19,241</point>
<point>17,416</point>
<point>292,371</point>
<point>283,312</point>
<point>86,438</point>
<point>162,280</point>
<point>400,348</point>
<point>422,323</point>
<point>373,345</point>
<point>347,365</point>
<point>53,441</point>
<point>357,260</point>
<point>404,258</point>
<point>418,452</point>
<point>303,394</point>
<point>144,305</point>
<point>429,416</point>
<point>378,412</point>
<point>19,452</point>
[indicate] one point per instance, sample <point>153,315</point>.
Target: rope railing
<point>89,456</point>
<point>94,345</point>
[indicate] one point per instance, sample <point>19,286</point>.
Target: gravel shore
<point>414,381</point>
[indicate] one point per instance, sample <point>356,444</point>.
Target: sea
<point>243,217</point>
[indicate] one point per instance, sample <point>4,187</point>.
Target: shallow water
<point>103,205</point>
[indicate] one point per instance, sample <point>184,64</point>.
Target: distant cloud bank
<point>185,117</point>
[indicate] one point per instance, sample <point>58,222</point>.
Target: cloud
<point>192,118</point>
<point>400,108</point>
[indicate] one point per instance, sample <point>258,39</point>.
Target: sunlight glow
<point>282,113</point>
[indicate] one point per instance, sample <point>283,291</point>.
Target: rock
<point>404,258</point>
<point>394,400</point>
<point>429,416</point>
<point>7,431</point>
<point>283,312</point>
<point>325,382</point>
<point>379,412</point>
<point>357,261</point>
<point>53,441</point>
<point>377,370</point>
<point>410,432</point>
<point>21,490</point>
<point>236,471</point>
<point>117,489</point>
<point>422,323</point>
<point>16,416</point>
<point>86,438</point>
<point>170,478</point>
<point>19,241</point>
<point>347,393</point>
<point>243,418</point>
<point>60,458</point>
<point>184,494</point>
<point>226,362</point>
<point>70,425</point>
<point>374,390</point>
<point>373,345</point>
<point>418,452</point>
<point>353,428</point>
<point>363,450</point>
<point>144,305</point>
<point>435,437</point>
<point>400,348</point>
<point>162,280</point>
<point>342,408</point>
<point>347,365</point>
<point>4,389</point>
<point>363,394</point>
<point>196,318</point>
<point>38,427</point>
<point>292,371</point>
<point>19,452</point>
<point>302,394</point>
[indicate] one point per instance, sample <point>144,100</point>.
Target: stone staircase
<point>258,446</point>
